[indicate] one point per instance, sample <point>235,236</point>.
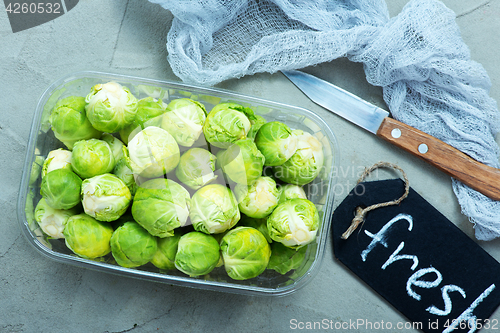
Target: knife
<point>482,178</point>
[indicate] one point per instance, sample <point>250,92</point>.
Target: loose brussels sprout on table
<point>136,185</point>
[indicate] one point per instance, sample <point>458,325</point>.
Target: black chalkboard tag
<point>419,261</point>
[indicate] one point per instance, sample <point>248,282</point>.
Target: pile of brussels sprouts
<point>178,187</point>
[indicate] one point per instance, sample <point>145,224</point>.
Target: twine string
<point>359,218</point>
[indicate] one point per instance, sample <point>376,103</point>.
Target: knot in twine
<point>359,218</point>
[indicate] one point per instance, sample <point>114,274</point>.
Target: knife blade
<point>483,178</point>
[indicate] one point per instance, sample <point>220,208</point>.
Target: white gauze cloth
<point>418,57</point>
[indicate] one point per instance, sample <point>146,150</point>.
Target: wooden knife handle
<point>482,178</point>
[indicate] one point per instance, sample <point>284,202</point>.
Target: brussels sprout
<point>164,257</point>
<point>161,205</point>
<point>245,252</point>
<point>92,157</point>
<point>214,209</point>
<point>242,162</point>
<point>149,112</point>
<point>132,246</point>
<point>184,119</point>
<point>70,123</point>
<point>305,164</point>
<point>284,259</point>
<point>196,168</point>
<point>57,159</point>
<point>294,223</point>
<point>110,107</point>
<point>225,124</point>
<point>105,197</point>
<point>87,237</point>
<point>259,199</point>
<point>276,142</point>
<point>256,123</point>
<point>36,169</point>
<point>153,152</point>
<point>123,171</point>
<point>51,220</point>
<point>61,189</point>
<point>259,224</point>
<point>197,254</point>
<point>115,144</point>
<point>291,191</point>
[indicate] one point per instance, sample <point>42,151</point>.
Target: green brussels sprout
<point>196,168</point>
<point>259,199</point>
<point>92,157</point>
<point>61,189</point>
<point>153,152</point>
<point>184,119</point>
<point>259,224</point>
<point>57,159</point>
<point>161,205</point>
<point>242,162</point>
<point>123,171</point>
<point>284,259</point>
<point>149,112</point>
<point>291,191</point>
<point>164,258</point>
<point>36,169</point>
<point>214,209</point>
<point>105,197</point>
<point>225,124</point>
<point>197,253</point>
<point>132,246</point>
<point>305,164</point>
<point>87,237</point>
<point>115,144</point>
<point>70,123</point>
<point>110,107</point>
<point>51,220</point>
<point>276,142</point>
<point>256,123</point>
<point>245,252</point>
<point>294,223</point>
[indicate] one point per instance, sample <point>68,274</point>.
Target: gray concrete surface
<point>128,37</point>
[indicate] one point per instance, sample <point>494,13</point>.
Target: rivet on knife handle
<point>482,178</point>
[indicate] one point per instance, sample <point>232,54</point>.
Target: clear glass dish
<point>321,191</point>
